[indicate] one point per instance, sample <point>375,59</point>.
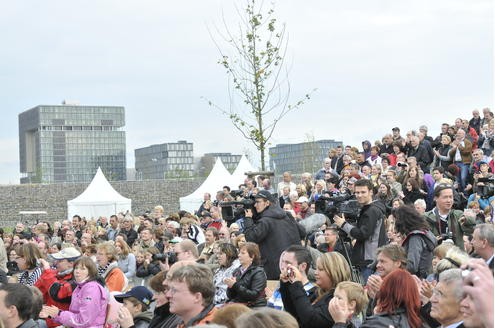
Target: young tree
<point>255,63</point>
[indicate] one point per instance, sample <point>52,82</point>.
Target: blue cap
<point>141,293</point>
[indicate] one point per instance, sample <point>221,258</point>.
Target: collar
<point>453,325</point>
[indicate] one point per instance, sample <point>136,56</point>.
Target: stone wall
<point>52,198</point>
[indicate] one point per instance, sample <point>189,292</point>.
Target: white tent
<point>218,177</point>
<point>99,199</point>
<point>238,175</point>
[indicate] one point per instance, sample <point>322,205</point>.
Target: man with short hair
<point>57,285</point>
<point>297,256</point>
<point>206,198</point>
<point>186,250</point>
<point>483,242</point>
<point>369,233</point>
<point>113,227</point>
<point>446,299</point>
<point>86,239</point>
<point>16,305</point>
<point>446,222</point>
<point>460,152</point>
<point>395,187</point>
<point>327,162</point>
<point>190,294</point>
<point>146,241</point>
<point>287,181</point>
<point>206,249</point>
<point>76,226</point>
<point>70,238</point>
<point>273,231</point>
<point>418,151</point>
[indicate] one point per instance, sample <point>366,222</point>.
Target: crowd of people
<point>398,233</point>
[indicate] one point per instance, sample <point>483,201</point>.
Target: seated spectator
<point>135,312</point>
<point>108,267</point>
<point>266,318</point>
<point>162,318</point>
<point>227,259</point>
<point>149,267</point>
<point>191,292</point>
<point>248,282</point>
<point>332,268</point>
<point>27,258</point>
<point>412,192</point>
<point>347,305</point>
<point>16,301</point>
<point>88,307</point>
<point>397,302</point>
<point>446,299</point>
<point>227,315</point>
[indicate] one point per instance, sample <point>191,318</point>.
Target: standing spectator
<point>460,152</point>
<point>446,222</point>
<point>128,231</point>
<point>113,227</point>
<point>369,231</point>
<point>419,241</point>
<point>415,149</point>
<point>273,232</point>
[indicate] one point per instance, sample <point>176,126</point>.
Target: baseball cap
<point>141,293</point>
<point>303,199</point>
<point>68,253</point>
<point>264,194</point>
<point>396,129</point>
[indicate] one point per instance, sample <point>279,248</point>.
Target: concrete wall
<point>53,198</point>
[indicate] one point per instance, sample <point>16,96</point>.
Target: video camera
<point>162,257</point>
<point>233,211</point>
<point>486,190</point>
<point>337,205</point>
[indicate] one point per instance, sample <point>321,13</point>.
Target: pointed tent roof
<point>99,192</point>
<point>238,175</point>
<point>218,177</point>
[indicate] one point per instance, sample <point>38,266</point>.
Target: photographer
<point>369,232</point>
<point>273,231</point>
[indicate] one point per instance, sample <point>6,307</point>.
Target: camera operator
<point>273,231</point>
<point>369,232</point>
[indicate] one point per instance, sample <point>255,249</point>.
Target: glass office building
<point>230,161</point>
<point>167,160</point>
<point>301,157</point>
<point>67,143</point>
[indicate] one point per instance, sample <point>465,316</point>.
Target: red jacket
<point>56,290</point>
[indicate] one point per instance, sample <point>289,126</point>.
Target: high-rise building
<point>301,157</point>
<point>68,142</point>
<point>229,160</point>
<point>167,160</point>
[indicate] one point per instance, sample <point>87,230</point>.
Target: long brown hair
<point>399,290</point>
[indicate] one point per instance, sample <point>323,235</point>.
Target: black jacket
<point>273,232</point>
<point>297,303</point>
<point>131,235</point>
<point>249,288</point>
<point>369,233</point>
<point>398,320</point>
<point>162,318</point>
<point>422,156</point>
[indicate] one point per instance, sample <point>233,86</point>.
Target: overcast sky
<point>376,64</point>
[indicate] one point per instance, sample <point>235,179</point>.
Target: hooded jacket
<point>88,308</point>
<point>419,247</point>
<point>142,320</point>
<point>115,280</point>
<point>274,231</point>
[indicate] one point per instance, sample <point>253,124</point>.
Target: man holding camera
<point>369,232</point>
<point>446,222</point>
<point>273,231</point>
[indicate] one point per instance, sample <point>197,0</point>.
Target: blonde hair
<point>354,292</point>
<point>109,249</point>
<point>336,267</point>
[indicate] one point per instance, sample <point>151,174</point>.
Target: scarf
<point>29,279</point>
<point>101,270</point>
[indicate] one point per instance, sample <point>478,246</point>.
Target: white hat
<point>303,199</point>
<point>69,253</point>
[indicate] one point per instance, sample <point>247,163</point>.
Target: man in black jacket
<point>273,231</point>
<point>369,232</point>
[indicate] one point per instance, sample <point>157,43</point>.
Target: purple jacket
<point>88,307</point>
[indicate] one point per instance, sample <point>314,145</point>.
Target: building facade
<point>167,160</point>
<point>301,157</point>
<point>67,143</point>
<point>230,161</point>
